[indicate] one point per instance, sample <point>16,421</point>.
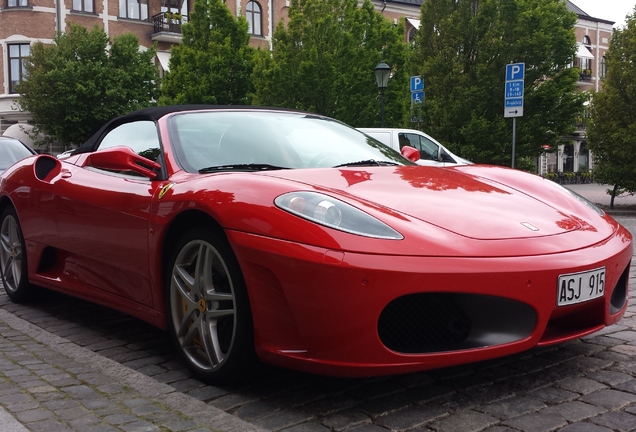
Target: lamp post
<point>382,75</point>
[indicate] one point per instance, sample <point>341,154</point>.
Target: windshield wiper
<point>241,167</point>
<point>368,162</point>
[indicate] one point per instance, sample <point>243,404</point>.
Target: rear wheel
<point>209,314</point>
<point>13,262</point>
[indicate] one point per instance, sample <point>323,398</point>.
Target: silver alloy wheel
<point>11,253</point>
<point>203,306</point>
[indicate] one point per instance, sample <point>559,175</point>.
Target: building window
<point>134,9</point>
<point>175,6</point>
<point>254,18</point>
<point>586,41</point>
<point>410,37</point>
<point>17,71</point>
<point>17,3</point>
<point>603,70</point>
<point>83,6</point>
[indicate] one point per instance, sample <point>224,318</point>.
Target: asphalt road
<point>587,385</point>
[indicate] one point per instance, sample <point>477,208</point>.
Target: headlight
<point>333,213</point>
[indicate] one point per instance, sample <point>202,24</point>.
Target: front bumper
<point>349,314</point>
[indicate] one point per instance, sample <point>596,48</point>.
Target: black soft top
<point>151,113</point>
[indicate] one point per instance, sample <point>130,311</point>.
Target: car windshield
<point>12,151</point>
<point>213,141</point>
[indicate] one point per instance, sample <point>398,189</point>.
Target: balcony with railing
<point>586,75</point>
<point>167,27</point>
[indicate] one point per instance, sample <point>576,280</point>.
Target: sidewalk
<point>50,384</point>
<point>597,194</point>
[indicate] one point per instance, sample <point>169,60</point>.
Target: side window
<point>140,136</point>
<point>445,157</point>
<point>429,147</point>
<point>409,140</point>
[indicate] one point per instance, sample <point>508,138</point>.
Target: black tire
<point>208,309</point>
<point>13,260</point>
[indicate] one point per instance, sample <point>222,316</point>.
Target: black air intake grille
<point>423,323</point>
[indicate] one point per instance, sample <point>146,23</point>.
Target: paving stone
<point>537,422</point>
<point>610,399</point>
<point>500,429</point>
<point>345,420</point>
<point>427,393</point>
<point>553,395</point>
<point>256,409</point>
<point>331,405</point>
<point>616,420</point>
<point>384,406</point>
<point>313,426</point>
<point>33,415</point>
<point>581,385</point>
<point>466,421</point>
<point>140,426</point>
<point>608,377</point>
<point>48,426</point>
<point>513,407</point>
<point>584,427</point>
<point>411,418</point>
<point>207,392</point>
<point>574,411</point>
<point>283,419</point>
<point>367,428</point>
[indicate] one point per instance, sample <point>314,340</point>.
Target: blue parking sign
<point>513,96</point>
<point>515,71</point>
<point>417,97</point>
<point>417,83</point>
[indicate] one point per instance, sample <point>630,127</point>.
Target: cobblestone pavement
<point>69,365</point>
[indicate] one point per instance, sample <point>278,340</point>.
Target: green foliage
<point>612,129</point>
<point>461,51</point>
<point>77,84</point>
<point>213,63</point>
<point>323,62</point>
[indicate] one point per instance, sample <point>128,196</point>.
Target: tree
<point>461,51</point>
<point>77,84</point>
<point>214,61</point>
<point>611,131</point>
<point>323,62</point>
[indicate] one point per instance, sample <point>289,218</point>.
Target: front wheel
<point>13,263</point>
<point>209,315</point>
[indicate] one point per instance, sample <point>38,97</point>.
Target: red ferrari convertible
<point>290,238</point>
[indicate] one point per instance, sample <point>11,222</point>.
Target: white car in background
<point>432,153</point>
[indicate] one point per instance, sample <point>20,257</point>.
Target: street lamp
<point>382,75</point>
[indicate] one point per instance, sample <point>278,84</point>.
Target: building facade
<point>593,37</point>
<point>24,22</point>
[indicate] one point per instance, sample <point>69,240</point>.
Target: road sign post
<point>513,98</point>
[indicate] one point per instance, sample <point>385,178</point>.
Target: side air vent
<point>45,166</point>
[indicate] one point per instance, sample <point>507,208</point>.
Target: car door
<point>103,218</point>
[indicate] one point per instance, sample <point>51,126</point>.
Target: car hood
<point>466,203</point>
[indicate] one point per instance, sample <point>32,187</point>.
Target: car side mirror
<point>123,158</point>
<point>410,153</point>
